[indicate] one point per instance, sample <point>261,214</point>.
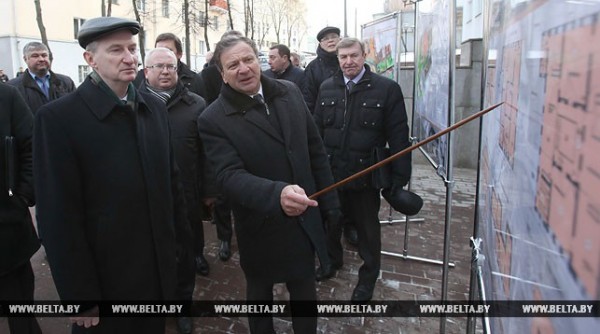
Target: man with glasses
<point>40,85</point>
<point>183,107</point>
<point>322,67</point>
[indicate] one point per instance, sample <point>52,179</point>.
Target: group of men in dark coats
<point>115,166</point>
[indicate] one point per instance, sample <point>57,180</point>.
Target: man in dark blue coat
<point>268,156</point>
<point>108,205</point>
<point>18,240</point>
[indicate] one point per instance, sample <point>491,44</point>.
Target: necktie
<point>350,85</point>
<point>43,85</point>
<point>259,98</point>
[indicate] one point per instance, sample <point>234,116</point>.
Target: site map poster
<point>538,205</point>
<point>432,78</point>
<point>381,39</point>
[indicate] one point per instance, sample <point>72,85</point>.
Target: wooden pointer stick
<point>404,151</point>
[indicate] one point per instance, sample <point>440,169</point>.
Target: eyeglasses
<point>169,67</point>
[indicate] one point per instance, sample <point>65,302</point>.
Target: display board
<point>381,40</point>
<point>432,75</point>
<point>538,205</point>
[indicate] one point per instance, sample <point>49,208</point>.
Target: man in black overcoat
<point>268,156</point>
<point>108,205</point>
<point>196,177</point>
<point>18,240</point>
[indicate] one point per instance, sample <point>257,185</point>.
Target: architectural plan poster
<point>539,204</point>
<point>432,77</point>
<point>381,39</point>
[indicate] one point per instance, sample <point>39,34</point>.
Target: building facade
<point>62,19</point>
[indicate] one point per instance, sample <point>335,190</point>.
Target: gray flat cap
<point>326,31</point>
<point>97,27</point>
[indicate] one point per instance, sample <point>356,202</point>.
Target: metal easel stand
<point>404,254</point>
<point>476,264</point>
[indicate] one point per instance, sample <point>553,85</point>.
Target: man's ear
<point>89,58</point>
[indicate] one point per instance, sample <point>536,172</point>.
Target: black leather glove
<point>403,201</point>
<point>332,219</point>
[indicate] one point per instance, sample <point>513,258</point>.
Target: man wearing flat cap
<point>108,205</point>
<point>323,67</point>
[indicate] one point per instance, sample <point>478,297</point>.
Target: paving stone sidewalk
<point>400,279</point>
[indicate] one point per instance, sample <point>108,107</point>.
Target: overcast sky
<point>321,13</point>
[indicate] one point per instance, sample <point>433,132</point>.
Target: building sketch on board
<point>538,208</point>
<point>569,171</point>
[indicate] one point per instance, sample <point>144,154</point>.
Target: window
<point>202,47</point>
<point>141,5</point>
<point>83,70</point>
<point>215,22</point>
<point>76,25</point>
<point>165,8</point>
<point>201,19</point>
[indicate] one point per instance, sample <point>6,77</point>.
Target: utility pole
<point>345,21</point>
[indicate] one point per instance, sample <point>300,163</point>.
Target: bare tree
<point>206,25</point>
<point>142,33</point>
<point>40,23</point>
<point>230,17</point>
<point>106,7</point>
<point>294,18</point>
<point>249,18</point>
<point>186,22</point>
<point>265,27</point>
<point>278,10</point>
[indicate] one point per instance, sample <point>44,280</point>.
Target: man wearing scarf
<point>184,108</point>
<point>109,203</point>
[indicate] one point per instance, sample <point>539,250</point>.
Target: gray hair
<point>230,33</point>
<point>347,42</point>
<point>33,46</point>
<point>92,47</point>
<point>228,42</point>
<point>155,50</point>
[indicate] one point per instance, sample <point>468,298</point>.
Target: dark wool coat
<point>60,85</point>
<point>254,162</point>
<point>291,73</point>
<point>18,240</point>
<point>324,66</point>
<point>106,185</point>
<point>211,83</point>
<point>372,115</point>
<point>195,174</point>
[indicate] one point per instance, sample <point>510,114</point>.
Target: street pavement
<point>401,278</point>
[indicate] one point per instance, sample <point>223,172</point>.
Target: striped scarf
<point>163,95</point>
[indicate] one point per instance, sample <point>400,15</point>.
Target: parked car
<point>264,63</point>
